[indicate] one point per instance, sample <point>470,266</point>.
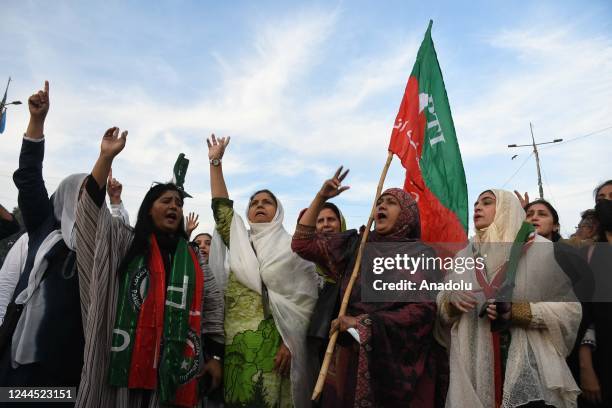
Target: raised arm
<point>90,219</point>
<point>112,144</point>
<point>330,189</point>
<point>114,189</point>
<point>33,198</point>
<point>216,149</point>
<point>92,199</point>
<point>329,251</point>
<point>191,223</point>
<point>38,104</point>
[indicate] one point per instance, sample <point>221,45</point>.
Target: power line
<point>578,137</point>
<point>517,170</point>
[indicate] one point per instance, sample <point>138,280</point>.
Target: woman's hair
<point>144,223</point>
<point>599,187</point>
<point>332,207</point>
<point>265,190</point>
<point>202,233</point>
<point>555,215</point>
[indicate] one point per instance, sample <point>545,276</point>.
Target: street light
<point>537,156</point>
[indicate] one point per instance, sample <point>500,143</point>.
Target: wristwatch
<point>215,162</point>
<point>216,357</point>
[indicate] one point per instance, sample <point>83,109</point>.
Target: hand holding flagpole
<point>347,294</point>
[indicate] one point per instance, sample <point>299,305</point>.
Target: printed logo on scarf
<point>190,366</point>
<point>139,287</point>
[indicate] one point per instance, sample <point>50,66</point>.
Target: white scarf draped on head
<point>496,240</point>
<point>34,296</point>
<point>264,253</point>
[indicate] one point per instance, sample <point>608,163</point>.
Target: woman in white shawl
<point>269,296</point>
<point>514,355</point>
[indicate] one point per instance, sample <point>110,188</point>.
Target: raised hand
<point>216,147</point>
<point>114,189</point>
<point>38,104</point>
<point>39,107</point>
<point>333,187</point>
<point>112,144</point>
<point>524,200</point>
<point>191,223</point>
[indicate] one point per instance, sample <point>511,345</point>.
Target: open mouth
<point>380,216</point>
<point>172,217</point>
<point>260,212</point>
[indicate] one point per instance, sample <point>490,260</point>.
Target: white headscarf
<point>292,288</point>
<point>11,270</point>
<point>65,200</point>
<point>33,297</point>
<point>495,241</point>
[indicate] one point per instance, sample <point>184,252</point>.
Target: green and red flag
<point>424,139</point>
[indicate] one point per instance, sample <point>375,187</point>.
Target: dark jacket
<point>60,337</point>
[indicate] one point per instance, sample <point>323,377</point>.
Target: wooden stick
<point>347,294</point>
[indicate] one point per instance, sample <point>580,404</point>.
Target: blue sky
<point>303,87</point>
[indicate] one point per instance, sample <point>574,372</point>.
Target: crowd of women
<point>142,317</point>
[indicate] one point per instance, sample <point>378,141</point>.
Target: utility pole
<point>3,106</point>
<point>537,156</point>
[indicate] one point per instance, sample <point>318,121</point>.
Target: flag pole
<point>3,102</point>
<point>345,299</point>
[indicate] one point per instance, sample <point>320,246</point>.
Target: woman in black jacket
<point>42,331</point>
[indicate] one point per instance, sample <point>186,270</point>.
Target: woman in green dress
<point>269,296</point>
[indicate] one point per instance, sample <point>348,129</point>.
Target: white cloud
<point>556,77</point>
<point>561,82</point>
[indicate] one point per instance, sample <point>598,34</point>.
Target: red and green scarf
<point>153,318</point>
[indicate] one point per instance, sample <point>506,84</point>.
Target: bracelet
<point>216,357</point>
